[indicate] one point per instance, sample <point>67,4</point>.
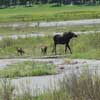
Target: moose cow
<point>63,39</point>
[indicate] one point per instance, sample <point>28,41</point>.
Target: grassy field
<point>28,68</point>
<point>85,46</point>
<point>4,31</point>
<point>48,13</point>
<point>84,87</point>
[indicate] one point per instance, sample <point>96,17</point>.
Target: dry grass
<point>85,86</point>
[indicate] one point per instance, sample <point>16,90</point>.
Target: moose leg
<point>21,53</point>
<point>41,50</point>
<point>66,48</point>
<point>55,48</point>
<point>18,53</point>
<point>69,48</point>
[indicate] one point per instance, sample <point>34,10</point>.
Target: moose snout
<point>76,35</point>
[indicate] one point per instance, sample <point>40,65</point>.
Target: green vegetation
<point>85,46</point>
<point>83,87</point>
<point>48,13</point>
<point>31,46</point>
<point>28,68</point>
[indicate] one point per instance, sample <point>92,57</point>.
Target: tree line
<point>9,3</point>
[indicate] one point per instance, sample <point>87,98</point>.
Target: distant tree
<point>58,2</point>
<point>22,2</point>
<point>66,2</point>
<point>1,3</point>
<point>4,3</point>
<point>14,2</point>
<point>26,3</point>
<point>98,1</point>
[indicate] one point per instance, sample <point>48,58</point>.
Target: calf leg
<point>45,50</point>
<point>42,51</point>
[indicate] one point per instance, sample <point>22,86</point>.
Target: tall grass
<point>85,86</point>
<point>88,45</point>
<point>6,89</point>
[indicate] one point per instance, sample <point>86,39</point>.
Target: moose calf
<point>44,49</point>
<point>20,51</point>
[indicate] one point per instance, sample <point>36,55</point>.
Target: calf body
<point>20,51</point>
<point>44,49</point>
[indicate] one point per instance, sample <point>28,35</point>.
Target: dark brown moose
<point>63,39</point>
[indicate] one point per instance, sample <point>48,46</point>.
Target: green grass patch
<point>48,13</point>
<point>87,46</point>
<point>28,68</point>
